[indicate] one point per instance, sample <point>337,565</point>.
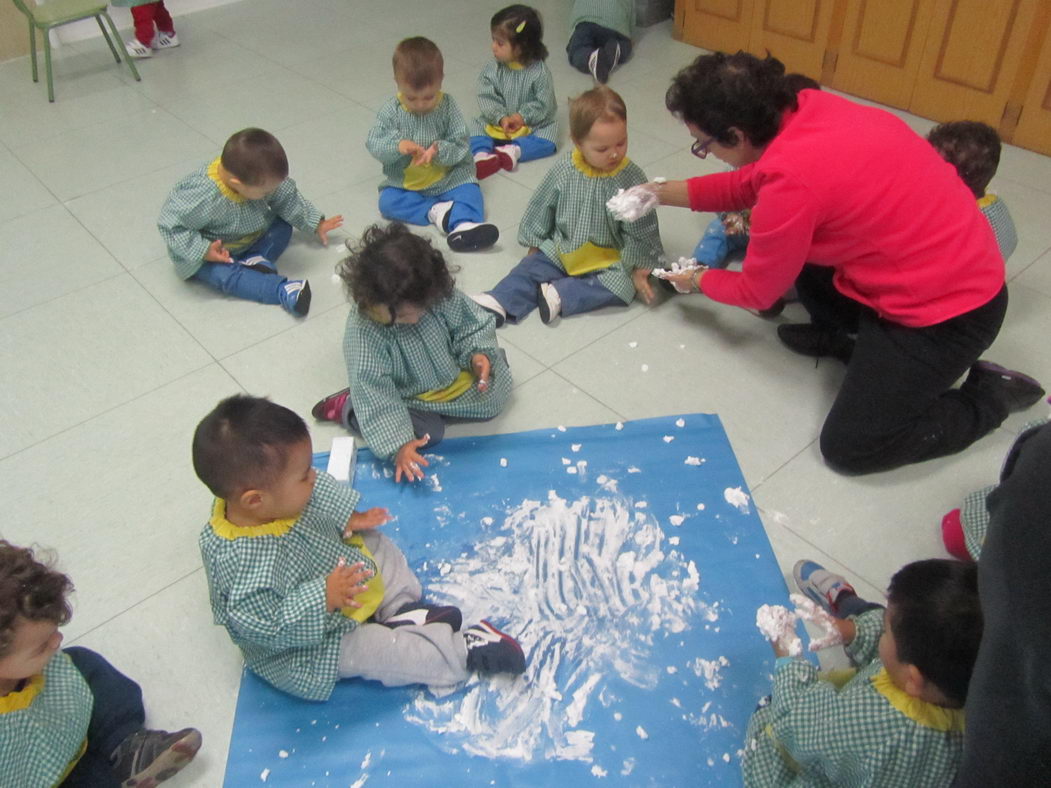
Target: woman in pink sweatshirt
<point>899,270</point>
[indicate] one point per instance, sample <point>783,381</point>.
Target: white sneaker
<point>439,214</point>
<point>548,302</point>
<point>137,49</point>
<point>512,152</point>
<point>491,305</point>
<point>165,40</point>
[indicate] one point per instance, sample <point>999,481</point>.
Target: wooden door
<point>879,51</point>
<point>717,25</point>
<point>1033,113</point>
<point>796,32</point>
<point>971,58</point>
<point>14,32</point>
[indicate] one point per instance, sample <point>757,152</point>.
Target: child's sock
<point>508,155</point>
<point>486,164</point>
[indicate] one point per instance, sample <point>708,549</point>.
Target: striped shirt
<point>267,587</point>
<point>44,726</point>
<point>866,733</point>
<point>568,210</point>
<point>444,125</point>
<point>617,15</point>
<point>528,91</point>
<point>390,365</point>
<point>201,209</point>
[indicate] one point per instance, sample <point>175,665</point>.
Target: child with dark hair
<point>580,257</point>
<point>899,719</point>
<point>973,148</point>
<point>307,587</point>
<point>68,717</point>
<point>601,38</point>
<point>420,137</point>
<point>417,349</point>
<point>228,222</point>
<point>516,96</point>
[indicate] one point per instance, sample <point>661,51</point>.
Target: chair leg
<point>127,58</point>
<point>105,35</point>
<point>47,64</point>
<point>32,51</point>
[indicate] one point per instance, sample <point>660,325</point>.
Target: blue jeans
<point>411,207</point>
<point>238,280</point>
<point>117,713</point>
<point>716,245</point>
<point>532,146</point>
<point>517,292</point>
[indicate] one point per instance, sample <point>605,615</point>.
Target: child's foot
<point>331,407</point>
<point>952,536</point>
<point>295,296</point>
<point>492,306</point>
<point>820,585</point>
<point>137,49</point>
<point>610,56</point>
<point>149,757</point>
<point>508,155</point>
<point>418,613</point>
<point>473,237</point>
<point>165,40</point>
<point>593,67</point>
<point>438,215</point>
<point>548,302</point>
<point>491,651</point>
<point>486,164</point>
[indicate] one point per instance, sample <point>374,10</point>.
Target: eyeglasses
<point>700,149</point>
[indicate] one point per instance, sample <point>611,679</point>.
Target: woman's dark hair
<point>973,148</point>
<point>936,619</point>
<point>392,266</point>
<point>243,444</point>
<point>523,29</point>
<point>720,91</point>
<point>29,589</point>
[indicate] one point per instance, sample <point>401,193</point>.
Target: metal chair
<point>56,13</point>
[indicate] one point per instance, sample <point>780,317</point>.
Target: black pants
<point>897,405</point>
<point>587,37</point>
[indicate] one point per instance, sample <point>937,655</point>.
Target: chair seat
<point>58,12</point>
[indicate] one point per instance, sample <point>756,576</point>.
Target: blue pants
<point>517,292</point>
<point>532,146</point>
<point>587,37</point>
<point>412,207</point>
<point>237,280</point>
<point>716,245</point>
<point>117,713</point>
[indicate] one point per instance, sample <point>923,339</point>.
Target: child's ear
<point>915,682</point>
<point>251,499</point>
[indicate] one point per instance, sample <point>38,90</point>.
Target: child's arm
<point>381,412</point>
<point>256,613</point>
<point>454,146</point>
<point>181,222</point>
<point>541,104</point>
<point>472,330</point>
<point>641,239</point>
<point>864,646</point>
<point>385,136</point>
<point>490,102</point>
<point>538,223</point>
<point>290,205</point>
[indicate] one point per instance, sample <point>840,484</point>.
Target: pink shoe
<point>331,407</point>
<point>952,536</point>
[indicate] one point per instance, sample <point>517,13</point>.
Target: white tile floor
<point>109,360</point>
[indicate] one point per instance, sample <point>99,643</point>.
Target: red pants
<point>146,15</point>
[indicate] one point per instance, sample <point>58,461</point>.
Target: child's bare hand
<point>640,277</point>
<point>217,253</point>
<point>516,122</point>
<point>371,518</point>
<point>408,148</point>
<point>408,460</point>
<point>482,367</point>
<point>344,583</point>
<point>425,156</point>
<point>325,226</point>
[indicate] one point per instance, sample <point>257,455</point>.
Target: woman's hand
<point>672,193</point>
<point>687,281</point>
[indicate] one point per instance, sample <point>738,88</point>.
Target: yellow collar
<point>591,172</point>
<point>16,701</point>
<point>514,65</point>
<point>926,714</point>
<point>227,530</point>
<point>226,191</point>
<point>437,103</point>
<point>988,199</point>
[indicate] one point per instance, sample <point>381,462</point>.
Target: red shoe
<point>484,166</point>
<point>331,407</point>
<point>952,536</point>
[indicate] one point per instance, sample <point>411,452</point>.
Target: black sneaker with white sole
<point>491,651</point>
<point>419,614</point>
<point>472,237</point>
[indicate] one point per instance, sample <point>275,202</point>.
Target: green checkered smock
<point>617,15</point>
<point>44,726</point>
<point>389,365</point>
<point>529,91</point>
<point>267,587</point>
<point>200,210</point>
<point>999,217</point>
<point>444,125</point>
<point>868,733</point>
<point>568,210</point>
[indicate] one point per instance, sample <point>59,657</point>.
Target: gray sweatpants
<point>431,654</point>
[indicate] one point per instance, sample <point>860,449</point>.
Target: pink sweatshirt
<point>854,188</point>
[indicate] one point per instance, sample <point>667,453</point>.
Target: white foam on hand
<point>816,615</point>
<point>778,625</point>
<point>629,205</point>
<point>686,265</point>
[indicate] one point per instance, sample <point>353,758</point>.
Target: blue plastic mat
<point>629,562</point>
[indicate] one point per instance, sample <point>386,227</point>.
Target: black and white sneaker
<point>473,237</point>
<point>548,302</point>
<point>149,757</point>
<point>492,306</point>
<point>418,614</point>
<point>491,651</point>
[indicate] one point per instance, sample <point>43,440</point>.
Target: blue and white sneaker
<point>295,296</point>
<point>820,585</point>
